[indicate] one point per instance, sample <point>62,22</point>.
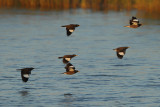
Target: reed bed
<point>102,5</point>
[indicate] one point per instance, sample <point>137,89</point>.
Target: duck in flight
<point>121,51</point>
<point>70,28</point>
<point>70,69</point>
<point>25,73</point>
<point>67,58</point>
<point>134,23</point>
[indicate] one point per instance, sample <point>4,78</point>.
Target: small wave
<point>98,75</point>
<point>23,93</point>
<point>68,94</point>
<point>124,65</point>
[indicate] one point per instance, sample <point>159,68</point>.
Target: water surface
<point>35,39</point>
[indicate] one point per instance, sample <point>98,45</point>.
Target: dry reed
<point>103,5</point>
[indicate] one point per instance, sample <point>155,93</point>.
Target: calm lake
<point>36,39</point>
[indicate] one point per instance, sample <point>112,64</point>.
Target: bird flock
<point>70,69</point>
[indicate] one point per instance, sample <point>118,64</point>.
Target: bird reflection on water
<point>24,93</point>
<point>68,100</point>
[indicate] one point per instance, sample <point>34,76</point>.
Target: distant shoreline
<point>147,8</point>
<point>99,5</point>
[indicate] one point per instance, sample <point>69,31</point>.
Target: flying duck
<point>25,73</point>
<point>67,58</point>
<point>70,28</point>
<point>134,23</point>
<point>70,69</point>
<point>121,51</point>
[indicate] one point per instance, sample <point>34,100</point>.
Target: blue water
<point>35,39</point>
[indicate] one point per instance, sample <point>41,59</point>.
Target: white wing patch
<point>71,69</point>
<point>26,75</point>
<point>68,59</point>
<point>136,20</point>
<point>71,30</point>
<point>71,66</point>
<point>135,23</point>
<point>121,53</point>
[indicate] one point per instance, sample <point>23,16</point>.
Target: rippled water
<point>35,39</point>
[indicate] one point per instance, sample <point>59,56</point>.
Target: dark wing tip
<point>130,22</point>
<point>24,79</point>
<point>68,33</point>
<point>119,56</point>
<point>63,26</point>
<point>133,17</point>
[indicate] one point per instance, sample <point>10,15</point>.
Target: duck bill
<point>114,49</point>
<point>126,26</point>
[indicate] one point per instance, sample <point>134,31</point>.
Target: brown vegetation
<point>103,5</point>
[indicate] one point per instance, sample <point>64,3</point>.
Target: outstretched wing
<point>69,31</point>
<point>134,21</point>
<point>24,76</point>
<point>69,67</point>
<point>119,55</point>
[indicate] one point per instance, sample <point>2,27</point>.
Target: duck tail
<point>60,57</point>
<point>63,26</point>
